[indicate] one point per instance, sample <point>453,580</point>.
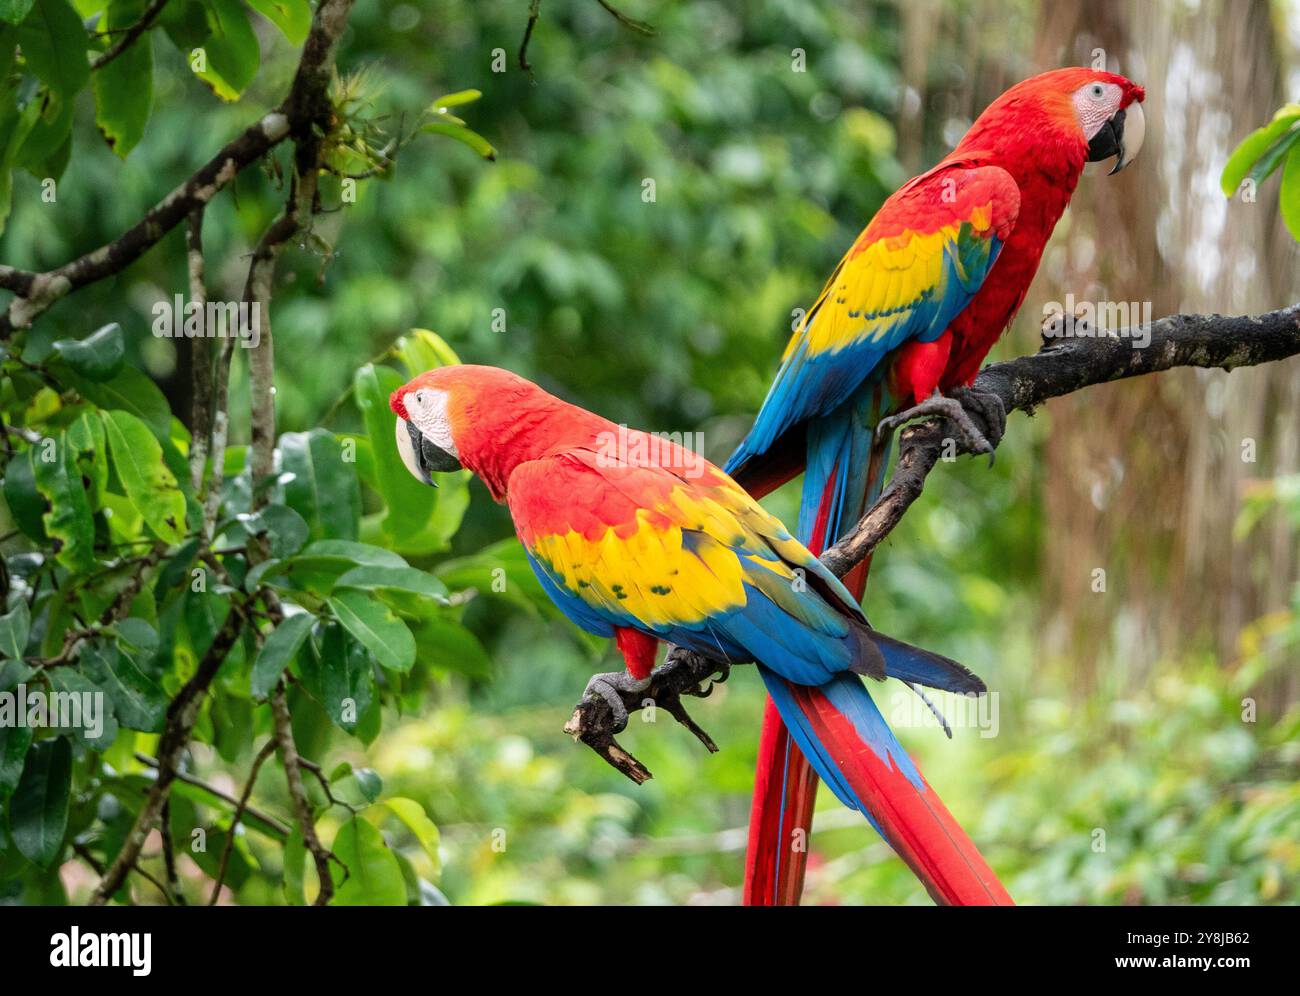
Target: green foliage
<point>1261,153</point>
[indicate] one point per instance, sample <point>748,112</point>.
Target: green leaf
<point>38,811</point>
<point>1254,146</point>
<point>295,862</point>
<point>124,87</point>
<point>323,487</point>
<point>374,877</point>
<point>68,519</point>
<point>284,527</point>
<point>463,135</point>
<point>375,626</point>
<point>176,570</point>
<point>447,644</point>
<point>15,127</point>
<point>132,391</point>
<point>232,51</point>
<point>278,650</point>
<point>15,625</point>
<point>417,821</point>
<point>186,24</point>
<point>22,497</point>
<point>1271,159</point>
<point>1289,198</point>
<point>138,702</point>
<point>321,563</point>
<point>14,11</point>
<point>368,782</point>
<point>339,673</point>
<point>421,350</point>
<point>402,579</point>
<point>455,99</point>
<point>232,725</point>
<point>292,17</point>
<point>98,357</point>
<point>54,43</point>
<point>501,569</point>
<point>86,437</point>
<point>151,486</point>
<point>78,692</point>
<point>14,742</point>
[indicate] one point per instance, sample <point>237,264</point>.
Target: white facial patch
<point>1095,104</point>
<point>427,408</point>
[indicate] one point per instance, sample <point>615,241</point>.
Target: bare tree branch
<point>1062,366</point>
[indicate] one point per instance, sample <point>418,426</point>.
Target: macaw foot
<point>609,698</point>
<point>612,686</point>
<point>972,439</point>
<point>989,408</point>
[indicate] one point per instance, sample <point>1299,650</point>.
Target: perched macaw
<point>641,541</point>
<point>904,322</point>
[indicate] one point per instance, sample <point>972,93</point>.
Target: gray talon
<point>989,407</point>
<point>972,439</point>
<point>612,686</point>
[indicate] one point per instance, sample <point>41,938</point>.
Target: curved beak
<point>422,457</point>
<point>1121,137</point>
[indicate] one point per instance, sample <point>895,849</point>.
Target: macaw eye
<point>1097,91</point>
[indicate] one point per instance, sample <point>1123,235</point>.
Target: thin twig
<point>534,12</point>
<point>274,825</point>
<point>267,750</point>
<point>641,27</point>
<point>169,856</point>
<point>129,35</point>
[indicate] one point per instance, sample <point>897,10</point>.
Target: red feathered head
<point>1080,115</point>
<point>482,418</point>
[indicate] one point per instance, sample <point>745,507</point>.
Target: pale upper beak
<point>422,456</point>
<point>1130,139</point>
<point>1120,137</point>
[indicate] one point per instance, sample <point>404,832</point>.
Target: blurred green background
<point>1122,770</point>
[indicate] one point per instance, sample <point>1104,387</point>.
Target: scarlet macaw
<point>905,320</point>
<point>643,542</point>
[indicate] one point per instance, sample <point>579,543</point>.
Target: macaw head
<point>1083,114</point>
<point>485,419</point>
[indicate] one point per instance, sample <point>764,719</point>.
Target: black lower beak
<point>1109,141</point>
<point>430,457</point>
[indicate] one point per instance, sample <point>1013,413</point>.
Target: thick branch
<point>1065,365</point>
<point>1062,366</point>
